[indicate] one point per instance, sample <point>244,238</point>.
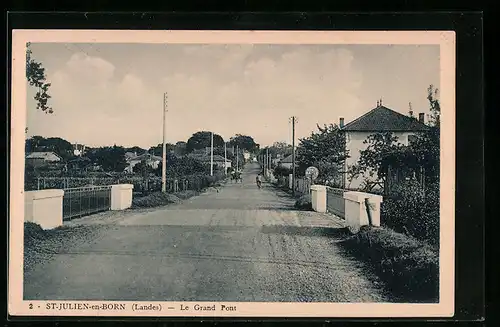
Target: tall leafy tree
<point>244,142</point>
<point>35,74</point>
<point>157,150</point>
<point>109,158</point>
<point>202,139</point>
<point>324,149</point>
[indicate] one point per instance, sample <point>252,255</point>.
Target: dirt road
<point>238,244</point>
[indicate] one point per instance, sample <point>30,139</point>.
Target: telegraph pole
<point>225,158</point>
<point>293,153</point>
<point>164,153</point>
<point>212,154</point>
<point>267,161</point>
<point>237,159</point>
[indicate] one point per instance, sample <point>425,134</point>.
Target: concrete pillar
<point>121,196</point>
<point>318,198</point>
<point>356,214</point>
<point>44,207</point>
<point>290,181</point>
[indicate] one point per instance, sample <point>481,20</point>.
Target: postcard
<point>232,173</point>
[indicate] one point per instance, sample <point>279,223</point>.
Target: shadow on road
<point>307,231</point>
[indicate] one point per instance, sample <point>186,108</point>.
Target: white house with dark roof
<point>378,120</point>
<point>133,159</point>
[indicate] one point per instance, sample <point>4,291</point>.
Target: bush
<point>304,202</point>
<point>155,200</point>
<point>409,268</point>
<point>282,171</point>
<point>33,232</point>
<point>410,213</point>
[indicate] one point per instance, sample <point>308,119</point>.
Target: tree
<point>35,74</point>
<point>183,166</point>
<point>142,168</point>
<point>109,158</point>
<point>325,150</point>
<point>244,142</point>
<point>136,149</point>
<point>180,148</point>
<point>435,107</point>
<point>157,150</point>
<point>57,145</point>
<point>382,151</point>
<point>201,140</point>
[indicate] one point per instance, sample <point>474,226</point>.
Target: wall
<point>44,207</point>
<point>354,143</point>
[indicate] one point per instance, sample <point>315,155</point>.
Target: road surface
<point>238,244</point>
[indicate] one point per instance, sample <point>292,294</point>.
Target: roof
<point>288,159</point>
<point>383,119</point>
<point>43,155</point>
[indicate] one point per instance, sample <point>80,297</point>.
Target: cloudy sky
<point>105,94</point>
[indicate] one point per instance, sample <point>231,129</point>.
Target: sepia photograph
<point>191,177</point>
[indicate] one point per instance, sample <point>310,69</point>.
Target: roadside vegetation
<point>408,267</point>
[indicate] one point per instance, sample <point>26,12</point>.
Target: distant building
<point>378,120</point>
<point>42,158</point>
<point>133,159</point>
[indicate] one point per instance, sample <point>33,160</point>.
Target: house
<point>378,120</point>
<point>37,159</point>
<point>287,162</point>
<point>133,159</point>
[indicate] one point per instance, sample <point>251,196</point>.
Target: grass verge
<point>408,267</point>
<point>40,245</point>
<point>304,202</point>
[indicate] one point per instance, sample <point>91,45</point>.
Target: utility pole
<point>293,153</point>
<point>225,158</point>
<point>164,153</point>
<point>237,159</point>
<point>212,154</point>
<point>267,162</point>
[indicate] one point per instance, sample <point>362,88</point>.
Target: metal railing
<point>83,201</point>
<point>148,184</point>
<point>335,202</point>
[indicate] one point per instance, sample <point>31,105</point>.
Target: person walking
<point>258,180</point>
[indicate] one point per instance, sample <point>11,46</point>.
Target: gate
<point>335,202</point>
<point>83,201</point>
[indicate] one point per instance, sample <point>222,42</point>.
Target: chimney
<point>421,117</point>
<point>341,123</point>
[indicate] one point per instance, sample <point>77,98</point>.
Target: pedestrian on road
<point>258,179</point>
